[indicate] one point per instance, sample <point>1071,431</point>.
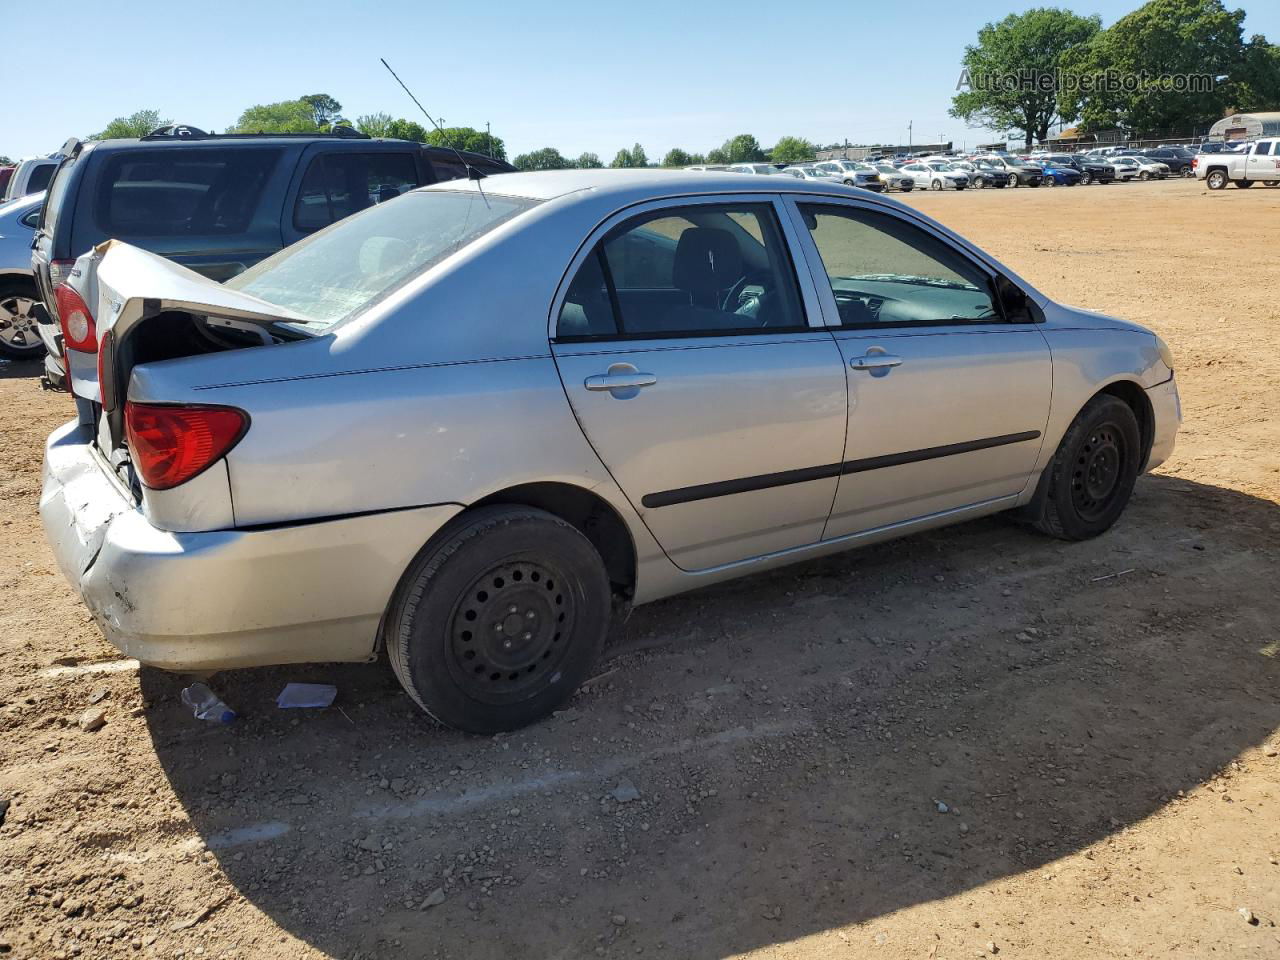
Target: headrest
<point>707,259</point>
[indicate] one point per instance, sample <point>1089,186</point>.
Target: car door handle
<point>875,361</point>
<point>620,381</point>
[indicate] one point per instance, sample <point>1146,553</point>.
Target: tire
<point>1271,183</point>
<point>851,183</point>
<point>468,597</point>
<point>1188,173</point>
<point>1086,178</point>
<point>1216,180</point>
<point>1093,471</point>
<point>1144,176</point>
<point>1013,180</point>
<point>935,185</point>
<point>19,339</point>
<point>1049,182</point>
<point>1244,184</point>
<point>908,189</point>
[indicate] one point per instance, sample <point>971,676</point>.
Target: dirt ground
<point>1099,721</point>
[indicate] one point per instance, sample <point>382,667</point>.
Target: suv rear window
<point>170,192</point>
<point>337,185</point>
<point>357,262</point>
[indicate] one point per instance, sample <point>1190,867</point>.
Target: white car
<point>31,176</point>
<point>762,169</point>
<point>1126,167</point>
<point>1149,169</point>
<point>936,175</point>
<point>893,178</point>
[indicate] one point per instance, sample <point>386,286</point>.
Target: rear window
<point>40,177</point>
<point>171,192</point>
<point>355,263</point>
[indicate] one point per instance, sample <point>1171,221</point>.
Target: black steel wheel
<point>1086,487</point>
<point>499,619</point>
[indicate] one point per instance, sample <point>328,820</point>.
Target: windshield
<point>351,265</point>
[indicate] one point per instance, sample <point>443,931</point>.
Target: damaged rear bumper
<point>310,591</point>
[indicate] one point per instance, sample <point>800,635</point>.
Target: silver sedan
<point>475,425</point>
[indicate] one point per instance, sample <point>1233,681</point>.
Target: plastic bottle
<point>205,705</point>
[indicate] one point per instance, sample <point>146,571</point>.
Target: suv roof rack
<point>183,131</point>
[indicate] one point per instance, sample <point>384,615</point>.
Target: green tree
<point>287,116</point>
<point>744,148</point>
<point>374,124</point>
<point>1163,39</point>
<point>622,158</point>
<point>469,138</point>
<point>675,157</point>
<point>548,158</point>
<point>792,150</point>
<point>1012,71</point>
<point>1257,84</point>
<point>135,125</point>
<point>403,129</point>
<point>717,155</point>
<point>324,109</point>
<point>638,157</point>
<point>588,161</point>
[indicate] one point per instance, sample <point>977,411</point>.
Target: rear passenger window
<point>168,192</point>
<point>337,185</point>
<point>692,271</point>
<point>40,177</point>
<point>448,168</point>
<point>1262,150</point>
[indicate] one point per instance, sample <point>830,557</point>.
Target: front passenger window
<point>884,270</point>
<point>698,270</point>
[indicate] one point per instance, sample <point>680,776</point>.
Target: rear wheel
<point>1216,180</point>
<point>19,338</point>
<point>497,624</point>
<point>1093,471</point>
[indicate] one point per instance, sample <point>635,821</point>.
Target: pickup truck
<point>1260,162</point>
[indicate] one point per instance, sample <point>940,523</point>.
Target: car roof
<point>637,186</point>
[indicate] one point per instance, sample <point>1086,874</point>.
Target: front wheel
<point>1086,179</point>
<point>936,185</point>
<point>1050,182</point>
<point>1013,180</point>
<point>1092,474</point>
<point>497,624</point>
<point>1187,172</point>
<point>850,183</point>
<point>1144,175</point>
<point>1244,184</point>
<point>1271,183</point>
<point>1216,180</point>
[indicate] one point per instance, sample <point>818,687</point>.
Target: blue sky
<point>578,76</point>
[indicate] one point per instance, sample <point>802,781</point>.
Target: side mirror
<point>1013,301</point>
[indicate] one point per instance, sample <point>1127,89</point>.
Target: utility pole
<point>488,139</point>
<point>846,148</point>
<point>909,137</point>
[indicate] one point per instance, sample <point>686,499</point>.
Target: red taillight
<point>170,445</point>
<point>76,320</point>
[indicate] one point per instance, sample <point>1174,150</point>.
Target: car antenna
<point>472,172</point>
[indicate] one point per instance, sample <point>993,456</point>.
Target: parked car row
<point>216,204</point>
<point>978,170</point>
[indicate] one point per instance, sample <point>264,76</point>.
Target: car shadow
<point>21,369</point>
<point>793,738</point>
